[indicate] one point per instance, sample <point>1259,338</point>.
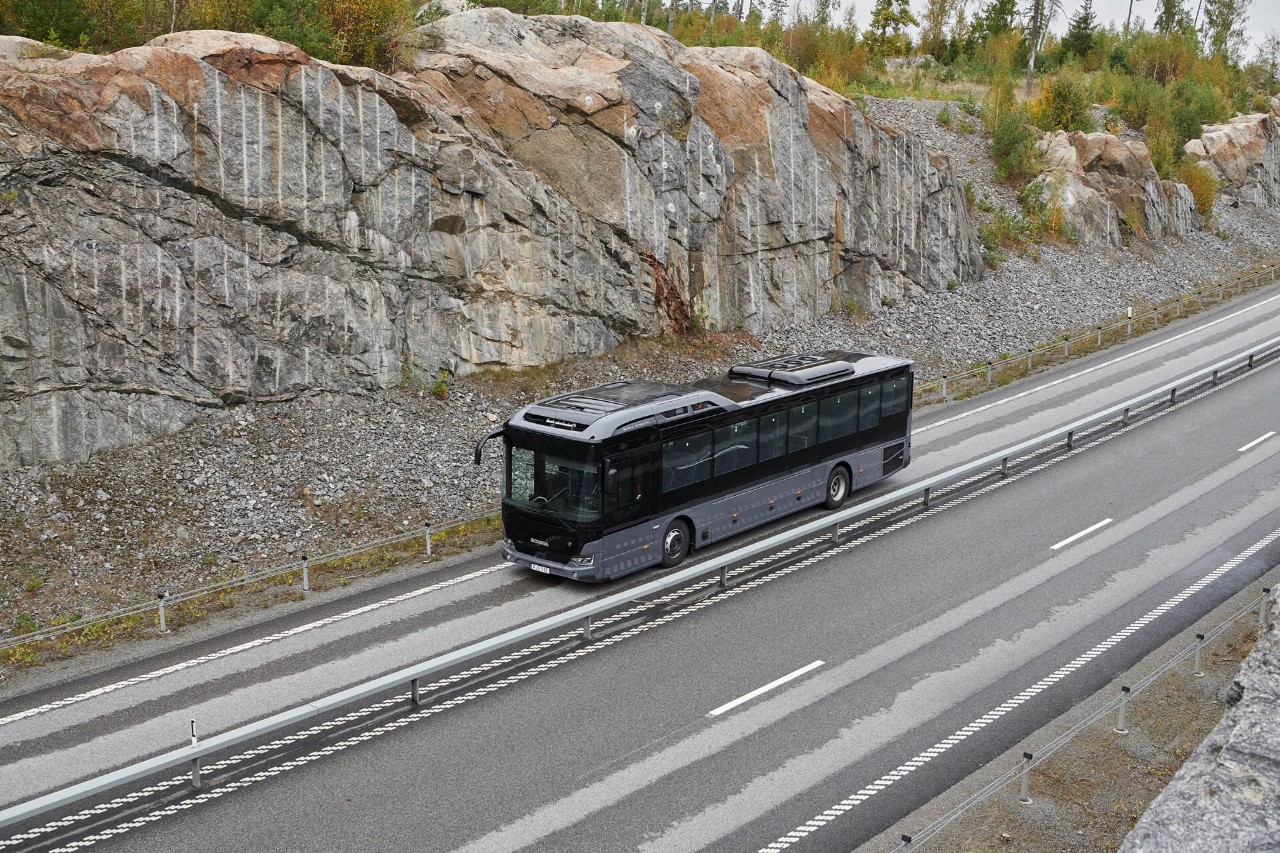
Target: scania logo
<point>541,542</point>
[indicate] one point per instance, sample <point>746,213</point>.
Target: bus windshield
<point>553,476</point>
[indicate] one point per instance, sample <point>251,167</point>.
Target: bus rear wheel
<point>837,487</point>
<point>675,543</point>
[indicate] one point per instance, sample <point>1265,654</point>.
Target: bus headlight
<point>585,560</point>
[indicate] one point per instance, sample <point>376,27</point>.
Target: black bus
<point>606,481</point>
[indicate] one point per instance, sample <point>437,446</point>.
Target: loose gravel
<point>259,485</point>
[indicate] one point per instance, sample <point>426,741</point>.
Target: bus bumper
<point>550,567</point>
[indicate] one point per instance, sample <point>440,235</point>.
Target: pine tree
<point>1079,37</point>
<point>1172,17</point>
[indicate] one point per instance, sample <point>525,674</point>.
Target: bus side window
<point>837,416</point>
<point>868,415</point>
<point>803,429</point>
<point>893,408</point>
<point>773,436</point>
<point>735,446</point>
<point>686,461</point>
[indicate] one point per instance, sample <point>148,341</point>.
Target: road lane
<point>923,631</point>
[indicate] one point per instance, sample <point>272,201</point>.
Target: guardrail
<point>998,371</point>
<point>302,567</point>
<point>1118,705</point>
<point>585,614</point>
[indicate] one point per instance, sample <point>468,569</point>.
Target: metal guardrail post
<point>1066,346</point>
<point>1214,380</point>
<point>944,387</point>
<point>164,628</point>
<point>1198,672</point>
<point>1173,396</point>
<point>415,693</point>
<point>1025,794</point>
<point>1264,612</point>
<point>586,629</point>
<point>1071,436</point>
<point>1030,352</point>
<point>1124,704</point>
<point>1128,333</point>
<point>724,577</point>
<point>988,373</point>
<point>1004,467</point>
<point>926,498</point>
<point>1099,337</point>
<point>196,780</point>
<point>1251,361</point>
<point>426,534</point>
<point>835,534</point>
<point>306,574</point>
<point>1124,419</point>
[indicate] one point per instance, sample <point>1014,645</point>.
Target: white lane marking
<point>1256,442</point>
<point>1065,542</point>
<point>243,647</point>
<point>760,691</point>
<point>1089,370</point>
<point>523,830</point>
<point>903,770</point>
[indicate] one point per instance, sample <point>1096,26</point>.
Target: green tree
<point>890,16</point>
<point>937,14</point>
<point>1223,29</point>
<point>1079,38</point>
<point>61,22</point>
<point>1172,17</point>
<point>993,19</point>
<point>298,22</point>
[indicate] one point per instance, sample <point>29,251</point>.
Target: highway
<point>882,654</point>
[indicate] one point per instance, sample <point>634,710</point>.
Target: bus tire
<point>675,543</point>
<point>837,487</point>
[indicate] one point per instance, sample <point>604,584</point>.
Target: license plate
<point>542,569</point>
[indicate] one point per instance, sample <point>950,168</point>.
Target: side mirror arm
<point>480,445</point>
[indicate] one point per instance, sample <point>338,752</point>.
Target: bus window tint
<point>735,447</point>
<point>837,416</point>
<point>803,431</point>
<point>868,414</point>
<point>520,474</point>
<point>628,499</point>
<point>894,405</point>
<point>686,461</point>
<point>773,436</point>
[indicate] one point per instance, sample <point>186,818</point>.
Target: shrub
<point>1013,147</point>
<point>944,117</point>
<point>997,103</point>
<point>1202,182</point>
<point>1063,104</point>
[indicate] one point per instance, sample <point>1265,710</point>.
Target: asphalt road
<point>909,635</point>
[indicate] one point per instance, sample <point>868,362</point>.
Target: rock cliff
<point>1102,182</point>
<point>1225,796</point>
<point>215,217</point>
<point>1244,153</point>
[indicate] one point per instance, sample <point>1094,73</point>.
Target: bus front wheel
<point>837,487</point>
<point>675,543</point>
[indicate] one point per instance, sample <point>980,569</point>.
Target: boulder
<point>1105,185</point>
<point>1244,154</point>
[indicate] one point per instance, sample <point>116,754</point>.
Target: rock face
<point>215,217</point>
<point>1102,183</point>
<point>1225,796</point>
<point>1244,153</point>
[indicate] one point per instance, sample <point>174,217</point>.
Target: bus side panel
<point>632,548</point>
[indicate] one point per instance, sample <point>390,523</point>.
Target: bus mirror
<point>481,443</point>
<point>611,481</point>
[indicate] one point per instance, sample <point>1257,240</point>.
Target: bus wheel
<point>837,487</point>
<point>675,543</point>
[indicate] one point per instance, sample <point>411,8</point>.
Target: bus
<point>606,481</point>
